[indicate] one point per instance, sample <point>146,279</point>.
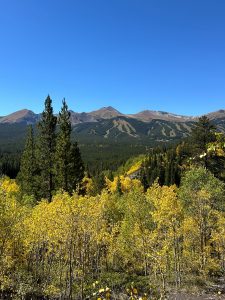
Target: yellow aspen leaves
<point>77,246</point>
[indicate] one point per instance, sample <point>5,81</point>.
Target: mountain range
<point>26,116</point>
<point>108,124</point>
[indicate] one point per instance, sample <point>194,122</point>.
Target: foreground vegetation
<point>120,239</point>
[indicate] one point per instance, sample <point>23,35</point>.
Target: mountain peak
<point>105,113</point>
<point>216,114</point>
<point>21,116</point>
<point>148,115</point>
<point>110,108</point>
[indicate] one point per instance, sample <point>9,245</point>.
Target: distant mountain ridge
<point>26,116</point>
<point>109,125</point>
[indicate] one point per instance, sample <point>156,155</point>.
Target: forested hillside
<point>106,137</point>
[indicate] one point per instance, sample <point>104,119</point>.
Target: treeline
<point>168,164</point>
<point>123,240</point>
<point>97,156</point>
<point>50,161</point>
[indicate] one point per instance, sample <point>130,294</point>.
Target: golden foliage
<point>58,248</point>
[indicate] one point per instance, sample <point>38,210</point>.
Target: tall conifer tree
<point>76,169</point>
<point>202,134</point>
<point>28,166</point>
<point>69,169</point>
<point>46,150</point>
<point>63,149</point>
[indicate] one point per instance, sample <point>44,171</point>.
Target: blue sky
<point>131,54</point>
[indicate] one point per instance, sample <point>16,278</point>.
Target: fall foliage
<point>161,237</point>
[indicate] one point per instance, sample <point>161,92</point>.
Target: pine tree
<point>202,134</point>
<point>63,149</point>
<point>46,150</point>
<point>144,180</point>
<point>28,166</point>
<point>69,168</point>
<point>76,168</point>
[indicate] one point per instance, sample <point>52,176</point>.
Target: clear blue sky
<point>131,54</point>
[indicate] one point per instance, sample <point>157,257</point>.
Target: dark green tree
<point>28,166</point>
<point>46,150</point>
<point>144,180</point>
<point>63,149</point>
<point>202,134</point>
<point>76,168</point>
<point>69,168</point>
<point>171,168</point>
<point>99,182</point>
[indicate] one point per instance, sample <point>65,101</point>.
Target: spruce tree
<point>76,167</point>
<point>144,180</point>
<point>28,166</point>
<point>46,150</point>
<point>202,134</point>
<point>63,149</point>
<point>69,168</point>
